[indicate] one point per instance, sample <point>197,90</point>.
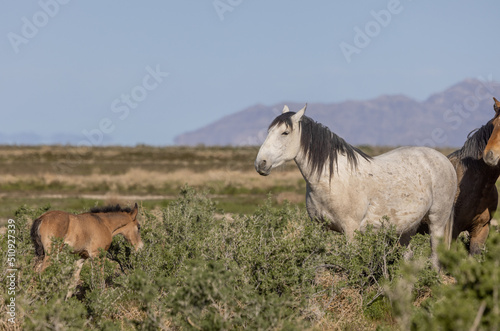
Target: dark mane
<point>320,144</point>
<point>474,146</point>
<point>110,209</point>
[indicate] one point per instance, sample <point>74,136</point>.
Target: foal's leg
<point>46,259</point>
<point>45,263</point>
<point>102,281</point>
<point>76,278</point>
<point>95,256</point>
<point>47,249</point>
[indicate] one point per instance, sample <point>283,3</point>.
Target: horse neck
<point>473,163</point>
<point>488,174</point>
<point>114,221</point>
<point>342,170</point>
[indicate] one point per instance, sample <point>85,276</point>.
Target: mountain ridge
<point>442,120</point>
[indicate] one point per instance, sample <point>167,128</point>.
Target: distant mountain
<point>444,119</point>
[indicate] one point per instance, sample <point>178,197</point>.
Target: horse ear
<point>133,212</point>
<point>297,116</point>
<point>496,106</point>
<point>285,109</point>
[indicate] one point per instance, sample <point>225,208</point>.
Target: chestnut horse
<point>86,233</point>
<point>477,169</point>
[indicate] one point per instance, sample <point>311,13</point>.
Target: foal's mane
<point>110,209</point>
<point>320,144</point>
<point>474,146</point>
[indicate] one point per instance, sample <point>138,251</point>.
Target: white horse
<point>349,190</point>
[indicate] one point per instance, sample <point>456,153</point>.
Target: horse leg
<point>102,280</point>
<point>99,267</point>
<point>479,233</point>
<point>76,278</point>
<point>480,230</point>
<point>46,244</point>
<point>45,263</point>
<point>437,224</point>
<point>478,239</point>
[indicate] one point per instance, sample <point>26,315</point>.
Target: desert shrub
<point>56,314</point>
<point>273,269</point>
<point>251,262</point>
<point>367,262</point>
<point>187,222</point>
<point>278,248</point>
<point>472,300</point>
<point>208,296</point>
<point>57,277</point>
<point>426,275</point>
<point>172,237</point>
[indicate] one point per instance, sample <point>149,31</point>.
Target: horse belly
<point>405,214</point>
<point>86,237</point>
<point>471,208</point>
<point>418,182</point>
<point>403,197</point>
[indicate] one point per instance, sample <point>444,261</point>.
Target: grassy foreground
<point>271,270</point>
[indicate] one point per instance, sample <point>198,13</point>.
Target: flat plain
<point>78,178</point>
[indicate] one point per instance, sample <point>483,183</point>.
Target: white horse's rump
<point>349,190</point>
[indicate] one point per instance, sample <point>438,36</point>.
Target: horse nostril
<point>263,163</point>
<point>489,155</point>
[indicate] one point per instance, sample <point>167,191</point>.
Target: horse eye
<point>285,133</point>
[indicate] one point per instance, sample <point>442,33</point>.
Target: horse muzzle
<point>491,158</point>
<point>262,167</point>
<point>139,246</point>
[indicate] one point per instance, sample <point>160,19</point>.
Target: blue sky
<point>130,72</point>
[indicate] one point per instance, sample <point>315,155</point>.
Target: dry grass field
<point>77,178</point>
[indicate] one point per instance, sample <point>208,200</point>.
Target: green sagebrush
<point>471,301</point>
<point>200,269</point>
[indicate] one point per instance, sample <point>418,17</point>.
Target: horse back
<point>87,233</point>
<point>422,162</point>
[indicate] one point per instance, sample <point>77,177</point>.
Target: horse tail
<point>448,229</point>
<point>36,238</point>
